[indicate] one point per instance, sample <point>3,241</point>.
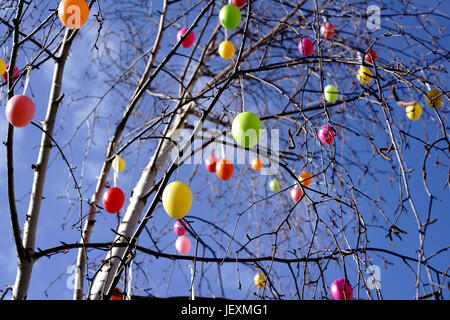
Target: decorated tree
<point>242,149</point>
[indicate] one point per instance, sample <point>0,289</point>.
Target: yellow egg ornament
<point>414,111</point>
<point>177,199</point>
<point>226,50</point>
<point>433,98</point>
<point>260,280</point>
<point>118,164</point>
<point>364,75</point>
<point>2,66</point>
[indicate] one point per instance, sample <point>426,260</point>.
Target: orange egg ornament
<point>117,294</point>
<point>305,178</point>
<point>224,169</point>
<point>256,164</point>
<point>73,13</point>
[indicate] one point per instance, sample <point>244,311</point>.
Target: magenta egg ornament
<point>210,163</point>
<point>306,47</point>
<point>179,228</point>
<point>20,110</point>
<point>341,290</point>
<point>183,244</point>
<point>15,74</point>
<point>296,194</point>
<point>189,40</point>
<point>326,134</point>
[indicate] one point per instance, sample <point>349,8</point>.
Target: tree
<point>123,85</point>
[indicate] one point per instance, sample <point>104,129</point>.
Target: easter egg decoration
<point>239,3</point>
<point>183,244</point>
<point>224,169</point>
<point>2,66</point>
<point>179,228</point>
<point>20,110</point>
<point>177,199</point>
<point>118,164</point>
<point>371,56</point>
<point>230,16</point>
<point>331,93</point>
<point>274,185</point>
<point>246,129</point>
<point>364,75</point>
<point>326,134</point>
<point>341,290</point>
<point>189,40</point>
<point>226,50</point>
<point>305,178</point>
<point>306,47</point>
<point>256,164</point>
<point>73,13</point>
<point>260,280</point>
<point>16,73</point>
<point>117,294</point>
<point>210,164</point>
<point>433,98</point>
<point>113,200</point>
<point>327,30</point>
<point>296,194</point>
<point>414,111</point>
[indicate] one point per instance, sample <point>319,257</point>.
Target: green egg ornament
<point>274,185</point>
<point>246,129</point>
<point>230,16</point>
<point>331,93</point>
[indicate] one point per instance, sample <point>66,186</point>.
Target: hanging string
<point>242,92</point>
<point>426,83</point>
<point>192,279</point>
<point>130,279</point>
<point>27,80</point>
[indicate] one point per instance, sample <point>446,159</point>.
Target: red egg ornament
<point>210,163</point>
<point>296,194</point>
<point>341,290</point>
<point>15,74</point>
<point>239,3</point>
<point>20,110</point>
<point>306,47</point>
<point>180,228</point>
<point>113,200</point>
<point>327,30</point>
<point>368,57</point>
<point>189,40</point>
<point>326,134</point>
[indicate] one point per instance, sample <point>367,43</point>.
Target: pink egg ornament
<point>210,163</point>
<point>180,228</point>
<point>305,47</point>
<point>183,244</point>
<point>296,193</point>
<point>337,290</point>
<point>15,75</point>
<point>326,134</point>
<point>20,110</point>
<point>327,30</point>
<point>189,40</point>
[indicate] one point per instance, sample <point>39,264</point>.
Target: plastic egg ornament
<point>296,194</point>
<point>183,244</point>
<point>246,129</point>
<point>118,164</point>
<point>414,111</point>
<point>341,290</point>
<point>256,164</point>
<point>224,170</point>
<point>20,110</point>
<point>433,98</point>
<point>113,200</point>
<point>331,93</point>
<point>326,134</point>
<point>16,73</point>
<point>274,185</point>
<point>73,13</point>
<point>305,178</point>
<point>189,40</point>
<point>180,228</point>
<point>210,164</point>
<point>226,50</point>
<point>305,47</point>
<point>327,30</point>
<point>230,16</point>
<point>117,294</point>
<point>177,199</point>
<point>364,75</point>
<point>239,3</point>
<point>2,66</point>
<point>368,57</point>
<point>260,280</point>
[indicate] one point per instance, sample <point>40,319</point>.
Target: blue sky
<point>214,200</point>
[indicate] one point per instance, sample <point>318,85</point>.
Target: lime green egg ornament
<point>246,129</point>
<point>230,16</point>
<point>331,93</point>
